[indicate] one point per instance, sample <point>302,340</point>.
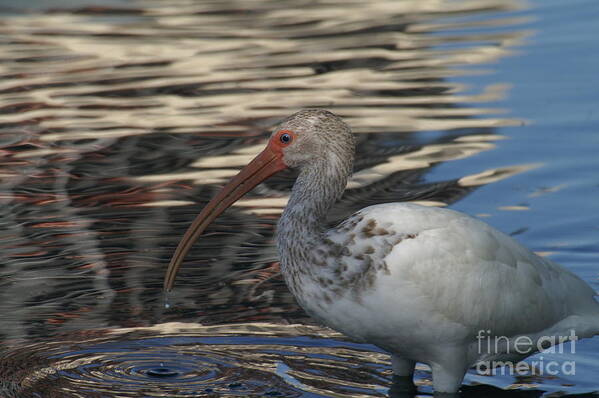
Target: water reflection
<point>182,359</point>
<point>119,122</point>
<point>179,359</point>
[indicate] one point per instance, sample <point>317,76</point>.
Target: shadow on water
<point>118,122</point>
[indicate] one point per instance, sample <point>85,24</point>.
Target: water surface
<point>119,121</point>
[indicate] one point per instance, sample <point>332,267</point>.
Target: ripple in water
<point>221,360</point>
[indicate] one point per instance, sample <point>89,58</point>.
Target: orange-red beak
<point>263,166</point>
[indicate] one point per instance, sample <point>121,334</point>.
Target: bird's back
<point>444,263</point>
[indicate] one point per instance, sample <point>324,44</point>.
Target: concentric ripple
<point>174,361</point>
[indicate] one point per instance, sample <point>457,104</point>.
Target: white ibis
<point>425,284</point>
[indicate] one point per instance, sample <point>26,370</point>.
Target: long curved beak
<point>267,163</point>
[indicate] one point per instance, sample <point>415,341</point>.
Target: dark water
<point>119,120</point>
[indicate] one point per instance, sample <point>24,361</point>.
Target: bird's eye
<point>286,138</point>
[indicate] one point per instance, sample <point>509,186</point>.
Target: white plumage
<point>452,279</point>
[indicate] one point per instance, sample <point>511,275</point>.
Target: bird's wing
<point>461,268</point>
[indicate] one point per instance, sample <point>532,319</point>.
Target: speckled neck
<point>302,226</point>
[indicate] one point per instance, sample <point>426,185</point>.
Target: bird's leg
<point>402,367</point>
<point>403,371</point>
<point>448,376</point>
